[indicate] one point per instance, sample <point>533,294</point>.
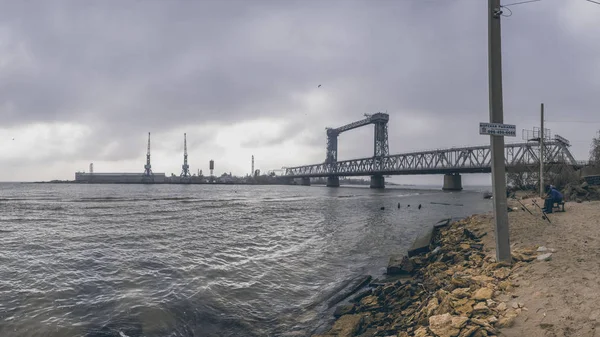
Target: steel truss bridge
<point>452,162</point>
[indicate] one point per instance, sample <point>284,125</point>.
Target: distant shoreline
<point>185,183</point>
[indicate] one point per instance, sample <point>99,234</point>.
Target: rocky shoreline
<point>450,289</point>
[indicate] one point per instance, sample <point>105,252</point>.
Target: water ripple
<point>161,260</point>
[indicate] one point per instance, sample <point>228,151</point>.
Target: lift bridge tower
<point>185,168</point>
<point>380,146</point>
<point>148,177</point>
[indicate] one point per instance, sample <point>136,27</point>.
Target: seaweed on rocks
<point>455,290</point>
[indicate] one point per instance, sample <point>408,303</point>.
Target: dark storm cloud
<point>160,63</point>
<point>128,67</point>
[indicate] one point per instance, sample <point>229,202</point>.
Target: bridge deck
<point>476,159</point>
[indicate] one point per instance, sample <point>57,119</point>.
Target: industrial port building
<point>133,178</point>
<point>118,178</point>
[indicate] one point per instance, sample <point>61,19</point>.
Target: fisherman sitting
<point>553,196</point>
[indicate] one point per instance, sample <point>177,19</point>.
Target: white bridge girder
<point>455,160</point>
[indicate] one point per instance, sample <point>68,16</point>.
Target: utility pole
<point>542,151</point>
<point>497,142</point>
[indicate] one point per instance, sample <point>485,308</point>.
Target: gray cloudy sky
<point>84,81</point>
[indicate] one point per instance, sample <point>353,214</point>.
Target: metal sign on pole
<point>497,129</point>
<point>497,142</point>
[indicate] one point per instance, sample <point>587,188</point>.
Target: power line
<point>594,2</point>
<point>587,122</point>
<point>520,3</point>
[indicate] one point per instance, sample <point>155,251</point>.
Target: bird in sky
<point>319,86</point>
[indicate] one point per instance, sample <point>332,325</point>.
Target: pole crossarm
<point>475,159</point>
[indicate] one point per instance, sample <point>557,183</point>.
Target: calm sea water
<point>176,260</point>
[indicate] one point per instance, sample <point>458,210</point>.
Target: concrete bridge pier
<point>377,181</point>
<point>333,181</point>
<point>305,182</point>
<point>452,182</point>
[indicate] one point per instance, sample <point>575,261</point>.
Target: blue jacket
<point>555,194</point>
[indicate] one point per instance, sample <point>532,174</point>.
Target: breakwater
<point>451,287</point>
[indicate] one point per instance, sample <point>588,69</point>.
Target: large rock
<point>465,309</point>
<point>461,292</point>
<point>421,244</point>
<point>400,265</point>
<point>442,326</point>
<point>501,273</point>
<point>346,326</point>
<point>483,294</point>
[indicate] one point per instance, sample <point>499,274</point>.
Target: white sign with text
<point>497,129</point>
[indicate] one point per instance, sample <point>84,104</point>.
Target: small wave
<point>106,199</point>
<point>100,207</point>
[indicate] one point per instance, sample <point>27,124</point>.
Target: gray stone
<point>400,265</point>
<point>343,310</point>
<point>442,223</point>
<point>421,244</point>
<point>544,257</point>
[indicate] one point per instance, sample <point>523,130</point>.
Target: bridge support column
<point>377,181</point>
<point>333,181</point>
<point>452,182</point>
<point>305,182</point>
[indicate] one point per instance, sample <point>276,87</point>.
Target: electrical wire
<point>587,122</point>
<point>510,12</point>
<point>520,3</point>
<point>594,2</point>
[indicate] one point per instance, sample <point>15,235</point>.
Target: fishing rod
<point>544,216</point>
<point>523,207</point>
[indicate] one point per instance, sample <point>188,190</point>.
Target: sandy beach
<point>561,296</point>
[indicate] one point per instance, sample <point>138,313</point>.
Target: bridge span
<point>450,162</point>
